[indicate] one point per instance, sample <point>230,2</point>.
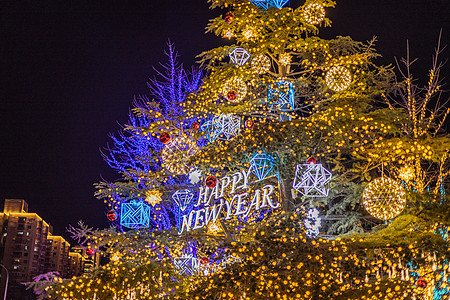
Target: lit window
<point>36,248</point>
<point>19,232</point>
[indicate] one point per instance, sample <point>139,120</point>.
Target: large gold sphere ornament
<point>338,78</point>
<point>234,89</point>
<point>314,13</point>
<point>176,154</point>
<point>260,64</point>
<point>384,198</point>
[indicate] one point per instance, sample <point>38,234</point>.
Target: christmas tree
<point>295,169</point>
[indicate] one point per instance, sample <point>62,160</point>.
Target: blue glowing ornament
<point>222,127</point>
<point>281,96</point>
<point>279,3</point>
<point>312,223</point>
<point>262,164</point>
<point>311,180</point>
<point>239,56</point>
<point>135,214</point>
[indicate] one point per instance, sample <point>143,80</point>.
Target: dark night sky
<point>69,71</point>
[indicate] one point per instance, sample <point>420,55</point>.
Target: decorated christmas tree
<point>295,169</point>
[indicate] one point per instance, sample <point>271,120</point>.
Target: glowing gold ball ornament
<point>153,197</point>
<point>384,198</point>
<point>338,78</point>
<point>235,89</point>
<point>284,59</point>
<point>176,153</point>
<point>260,64</point>
<point>314,13</point>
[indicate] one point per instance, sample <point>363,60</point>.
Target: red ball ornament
<point>196,126</point>
<point>249,123</point>
<point>422,283</point>
<point>204,261</point>
<point>211,181</point>
<point>229,16</point>
<point>89,251</point>
<point>231,95</point>
<point>164,138</point>
<point>311,160</point>
<point>111,215</point>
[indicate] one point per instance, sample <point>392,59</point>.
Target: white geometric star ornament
<point>222,127</point>
<point>187,264</point>
<point>311,180</point>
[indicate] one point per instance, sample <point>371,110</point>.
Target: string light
<point>235,89</point>
<point>260,64</point>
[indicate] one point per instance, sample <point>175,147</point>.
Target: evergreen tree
<point>280,106</point>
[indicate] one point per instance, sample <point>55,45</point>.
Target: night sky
<point>69,71</point>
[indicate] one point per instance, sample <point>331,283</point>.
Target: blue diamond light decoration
<point>239,56</point>
<point>262,164</point>
<point>311,180</point>
<point>222,127</point>
<point>281,96</point>
<point>135,214</point>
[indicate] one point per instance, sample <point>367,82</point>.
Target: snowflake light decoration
<point>260,64</point>
<point>338,78</point>
<point>281,96</point>
<point>194,176</point>
<point>314,13</point>
<point>237,86</point>
<point>187,264</point>
<point>262,164</point>
<point>384,198</point>
<point>222,127</point>
<point>312,223</point>
<point>176,153</point>
<point>153,197</point>
<point>135,214</point>
<point>311,180</point>
<point>239,56</point>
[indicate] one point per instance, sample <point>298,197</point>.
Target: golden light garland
<point>176,154</point>
<point>314,13</point>
<point>384,198</point>
<point>338,78</point>
<point>236,85</point>
<point>153,197</point>
<point>260,64</point>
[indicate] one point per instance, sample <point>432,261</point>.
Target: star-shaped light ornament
<point>187,265</point>
<point>262,165</point>
<point>239,56</point>
<point>311,180</point>
<point>222,127</point>
<point>281,96</point>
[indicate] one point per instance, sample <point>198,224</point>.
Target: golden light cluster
<point>260,64</point>
<point>284,59</point>
<point>406,173</point>
<point>338,78</point>
<point>153,197</point>
<point>314,13</point>
<point>384,198</point>
<point>236,85</point>
<point>177,153</point>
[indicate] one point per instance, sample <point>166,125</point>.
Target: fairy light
<point>314,13</point>
<point>248,33</point>
<point>228,33</point>
<point>384,198</point>
<point>260,64</point>
<point>284,59</point>
<point>338,78</point>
